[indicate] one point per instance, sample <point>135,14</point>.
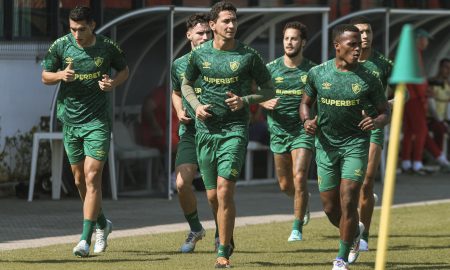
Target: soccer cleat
<point>340,264</point>
<point>191,240</point>
<point>296,235</point>
<point>81,249</point>
<point>354,252</point>
<point>101,237</point>
<point>307,216</point>
<point>222,262</point>
<point>363,245</point>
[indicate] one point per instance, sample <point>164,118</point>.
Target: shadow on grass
<point>418,266</point>
<point>84,260</point>
<point>300,264</point>
<point>419,235</point>
<point>409,247</point>
<point>307,250</point>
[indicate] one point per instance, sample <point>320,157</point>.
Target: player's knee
<point>367,190</point>
<point>79,182</point>
<point>182,185</point>
<point>349,204</point>
<point>287,188</point>
<point>93,179</point>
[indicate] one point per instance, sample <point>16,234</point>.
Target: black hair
<point>339,29</point>
<point>218,7</point>
<point>299,26</point>
<point>195,19</point>
<point>360,20</point>
<point>81,14</point>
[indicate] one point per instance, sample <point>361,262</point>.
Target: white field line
<point>177,227</point>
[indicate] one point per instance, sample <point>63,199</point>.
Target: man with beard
<point>198,32</point>
<point>291,146</point>
<point>227,69</point>
<point>343,89</point>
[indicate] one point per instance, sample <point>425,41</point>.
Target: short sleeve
<point>310,88</point>
<point>118,61</point>
<point>192,72</point>
<point>52,60</point>
<point>259,71</point>
<point>176,84</point>
<point>376,93</point>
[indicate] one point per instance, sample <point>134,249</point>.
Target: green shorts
<point>221,154</point>
<point>91,140</point>
<point>377,137</point>
<point>186,153</point>
<point>344,163</point>
<point>285,143</point>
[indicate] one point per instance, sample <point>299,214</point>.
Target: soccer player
<point>81,61</point>
<point>291,146</point>
<point>226,69</point>
<point>197,33</point>
<point>343,89</point>
<point>381,67</point>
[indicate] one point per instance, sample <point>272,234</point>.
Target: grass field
<point>420,239</point>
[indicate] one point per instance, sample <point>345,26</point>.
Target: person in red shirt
<point>415,128</point>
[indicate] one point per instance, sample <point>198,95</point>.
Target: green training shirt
<point>82,101</point>
<point>220,72</point>
<point>289,86</point>
<point>381,68</point>
<point>341,97</point>
<point>177,74</point>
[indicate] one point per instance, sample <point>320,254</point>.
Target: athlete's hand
<point>183,117</point>
<point>106,84</point>
<point>234,102</point>
<point>202,112</point>
<point>368,123</point>
<point>68,74</point>
<point>310,126</point>
<point>270,104</point>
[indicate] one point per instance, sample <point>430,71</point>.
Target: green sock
<point>297,225</point>
<point>101,220</point>
<point>365,236</point>
<point>224,251</point>
<point>344,250</point>
<point>88,229</point>
<point>194,222</point>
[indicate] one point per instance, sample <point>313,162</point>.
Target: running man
<point>380,67</point>
<point>292,147</point>
<point>226,69</point>
<point>81,61</point>
<point>343,89</point>
<point>197,33</point>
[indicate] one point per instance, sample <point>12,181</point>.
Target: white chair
<point>252,147</point>
<point>126,149</point>
<point>56,139</point>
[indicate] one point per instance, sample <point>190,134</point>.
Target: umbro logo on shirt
<point>326,85</point>
<point>69,60</point>
<point>206,65</point>
<point>279,79</point>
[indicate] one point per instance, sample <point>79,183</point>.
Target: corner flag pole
<point>406,70</point>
